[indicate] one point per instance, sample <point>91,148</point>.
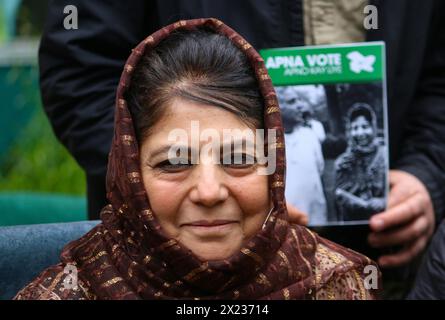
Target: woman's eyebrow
<point>225,146</point>
<point>166,148</point>
<point>159,151</point>
<point>239,142</point>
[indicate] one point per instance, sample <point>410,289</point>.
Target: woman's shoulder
<point>344,274</point>
<point>341,273</point>
<point>344,160</point>
<point>59,282</point>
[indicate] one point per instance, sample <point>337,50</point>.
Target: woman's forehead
<point>181,113</point>
<point>196,124</point>
<point>360,119</point>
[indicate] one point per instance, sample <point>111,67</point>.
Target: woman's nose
<point>358,132</point>
<point>209,188</point>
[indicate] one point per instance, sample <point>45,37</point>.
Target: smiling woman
<point>203,228</point>
<point>364,160</point>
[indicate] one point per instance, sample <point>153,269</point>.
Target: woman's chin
<point>212,254</point>
<point>214,250</point>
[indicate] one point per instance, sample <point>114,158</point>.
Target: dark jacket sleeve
<point>80,70</point>
<point>430,282</point>
<point>423,153</point>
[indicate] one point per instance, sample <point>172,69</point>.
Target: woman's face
<point>362,131</point>
<point>208,207</point>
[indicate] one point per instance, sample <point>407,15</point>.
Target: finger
<point>397,194</point>
<point>300,218</point>
<point>400,214</point>
<point>296,215</point>
<point>394,177</point>
<point>400,236</point>
<point>398,190</point>
<point>404,256</point>
<point>303,221</point>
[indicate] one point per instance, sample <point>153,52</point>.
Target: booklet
<point>334,111</point>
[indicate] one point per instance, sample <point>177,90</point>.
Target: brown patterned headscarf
<point>129,256</point>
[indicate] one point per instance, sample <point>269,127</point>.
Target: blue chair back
<point>25,251</point>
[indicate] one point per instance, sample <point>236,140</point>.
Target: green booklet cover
<point>334,111</point>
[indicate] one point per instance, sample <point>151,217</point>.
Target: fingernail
<point>377,223</point>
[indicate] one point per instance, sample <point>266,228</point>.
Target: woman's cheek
<point>160,194</point>
<point>255,189</point>
<point>253,196</point>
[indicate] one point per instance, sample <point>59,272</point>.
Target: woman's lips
<point>207,223</point>
<point>210,228</point>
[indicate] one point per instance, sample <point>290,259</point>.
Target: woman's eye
<point>239,161</point>
<point>174,165</point>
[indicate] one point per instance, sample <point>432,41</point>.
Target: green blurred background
<point>39,181</point>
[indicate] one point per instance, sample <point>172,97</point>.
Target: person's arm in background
<point>416,199</point>
<point>79,73</point>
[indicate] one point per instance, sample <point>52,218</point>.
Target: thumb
<point>296,216</point>
<point>398,190</point>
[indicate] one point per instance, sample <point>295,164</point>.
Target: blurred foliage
<point>38,162</point>
<point>35,160</point>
